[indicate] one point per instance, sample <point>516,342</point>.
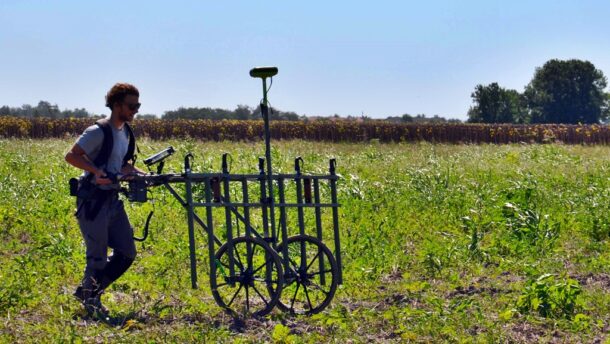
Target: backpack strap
<point>106,150</point>
<point>130,156</point>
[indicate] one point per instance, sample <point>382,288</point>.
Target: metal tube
<point>199,177</point>
<point>210,225</point>
<point>246,220</point>
<point>227,198</point>
<point>299,195</point>
<point>265,114</point>
<point>283,227</point>
<point>190,216</point>
<point>300,219</point>
<point>263,185</point>
<point>270,196</point>
<point>316,195</point>
<point>307,189</point>
<point>333,195</point>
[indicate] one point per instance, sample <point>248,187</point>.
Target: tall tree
<point>569,91</point>
<point>494,104</point>
<point>243,112</point>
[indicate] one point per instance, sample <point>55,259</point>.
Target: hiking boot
<point>79,294</point>
<point>93,305</point>
<point>96,310</point>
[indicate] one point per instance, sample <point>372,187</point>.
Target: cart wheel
<point>255,287</point>
<point>311,280</point>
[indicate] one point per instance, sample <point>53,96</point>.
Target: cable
<point>268,88</point>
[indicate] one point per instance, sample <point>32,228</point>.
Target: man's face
<point>128,108</point>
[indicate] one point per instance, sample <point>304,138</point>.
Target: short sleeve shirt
<point>91,142</point>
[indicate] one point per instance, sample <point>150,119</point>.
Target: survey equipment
<point>267,242</point>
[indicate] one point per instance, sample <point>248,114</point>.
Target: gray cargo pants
<point>109,228</point>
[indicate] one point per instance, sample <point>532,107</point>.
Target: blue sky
<point>377,58</point>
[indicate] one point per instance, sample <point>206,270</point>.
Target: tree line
<point>243,112</point>
<point>43,109</point>
<point>570,92</point>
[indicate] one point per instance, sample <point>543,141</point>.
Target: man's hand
<point>129,171</point>
<point>77,158</point>
<point>101,178</point>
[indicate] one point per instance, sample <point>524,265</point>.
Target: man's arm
<point>77,158</point>
<point>131,169</point>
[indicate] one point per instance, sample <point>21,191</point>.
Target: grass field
<point>456,243</point>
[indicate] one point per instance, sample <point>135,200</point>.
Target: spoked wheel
<point>311,280</point>
<point>256,284</point>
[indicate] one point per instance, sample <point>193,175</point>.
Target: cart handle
<point>187,162</point>
<point>298,163</point>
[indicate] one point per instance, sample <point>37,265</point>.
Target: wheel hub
<point>246,277</point>
<point>302,277</point>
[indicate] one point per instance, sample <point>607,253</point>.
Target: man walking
<point>105,152</point>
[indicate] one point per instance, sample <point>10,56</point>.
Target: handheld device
<point>162,155</point>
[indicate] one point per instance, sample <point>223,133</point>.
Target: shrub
<point>551,298</point>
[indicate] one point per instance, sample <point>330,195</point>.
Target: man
<point>101,215</point>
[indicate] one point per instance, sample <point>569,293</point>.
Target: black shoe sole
<point>78,294</point>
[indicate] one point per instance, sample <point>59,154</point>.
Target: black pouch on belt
<point>85,190</point>
<point>73,186</point>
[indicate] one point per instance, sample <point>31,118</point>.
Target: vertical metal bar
<point>283,225</point>
<point>263,184</point>
<point>190,216</point>
<point>229,224</point>
<point>210,225</point>
<point>244,191</point>
<point>307,190</point>
<point>333,195</point>
<point>261,170</point>
<point>300,218</point>
<point>265,114</point>
<point>316,196</point>
<point>299,186</point>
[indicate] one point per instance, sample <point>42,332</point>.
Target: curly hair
<point>118,92</point>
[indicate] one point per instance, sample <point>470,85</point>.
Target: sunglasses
<point>133,107</point>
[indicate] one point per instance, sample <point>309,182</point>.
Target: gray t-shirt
<point>91,142</point>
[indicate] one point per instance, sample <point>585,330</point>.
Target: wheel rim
<point>308,289</point>
<point>255,286</point>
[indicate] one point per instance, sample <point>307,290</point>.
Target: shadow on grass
<point>138,319</point>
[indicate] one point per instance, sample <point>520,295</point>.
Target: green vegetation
<point>321,130</point>
<point>571,92</point>
<point>43,109</point>
<point>241,112</point>
<point>456,243</point>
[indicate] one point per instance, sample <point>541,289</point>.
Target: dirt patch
<point>353,305</point>
<point>383,304</point>
<point>601,280</point>
<point>472,290</point>
<point>392,277</point>
<point>25,238</point>
<point>508,277</point>
<point>525,332</point>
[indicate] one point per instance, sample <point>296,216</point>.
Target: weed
<point>529,227</point>
<point>550,297</point>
